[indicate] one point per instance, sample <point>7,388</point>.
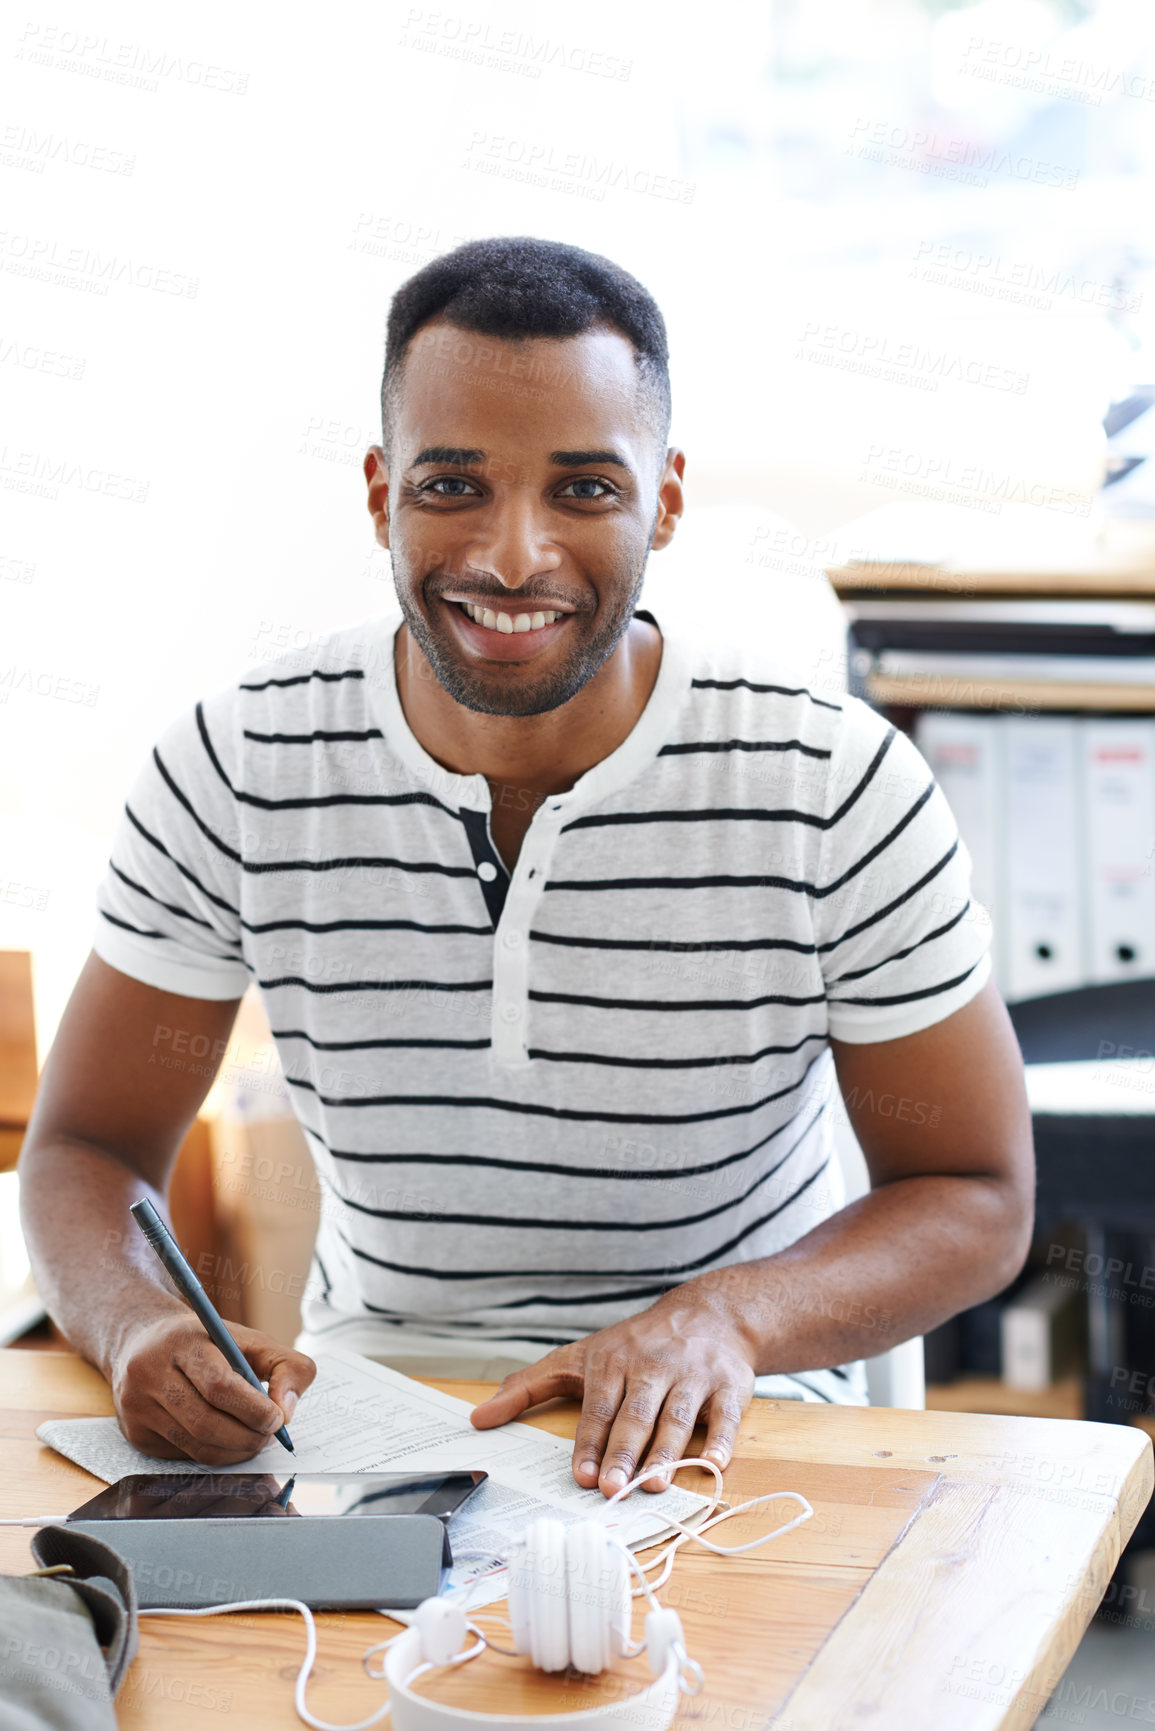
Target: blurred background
<point>906,256</point>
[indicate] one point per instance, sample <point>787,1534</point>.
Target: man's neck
<point>539,753</point>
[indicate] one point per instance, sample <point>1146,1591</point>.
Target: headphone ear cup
<point>569,1596</point>
<point>598,1597</point>
<point>621,1601</point>
<point>547,1619</point>
<point>518,1600</point>
<point>586,1597</point>
<point>441,1627</point>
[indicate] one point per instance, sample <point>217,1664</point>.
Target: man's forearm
<point>892,1265</point>
<point>94,1271</point>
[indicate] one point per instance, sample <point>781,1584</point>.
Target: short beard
<point>490,694</point>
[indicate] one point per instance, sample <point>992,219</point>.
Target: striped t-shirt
<point>538,1101</point>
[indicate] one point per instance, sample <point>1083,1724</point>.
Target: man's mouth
<point>509,624</point>
<point>505,634</point>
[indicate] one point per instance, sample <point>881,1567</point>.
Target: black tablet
<point>185,1496</point>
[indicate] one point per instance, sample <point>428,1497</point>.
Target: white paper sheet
<point>359,1416</point>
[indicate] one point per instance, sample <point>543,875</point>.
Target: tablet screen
<point>198,1496</point>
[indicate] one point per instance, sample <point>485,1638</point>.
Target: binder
<point>1041,811</point>
<point>1040,1333</point>
<point>1118,767</point>
<point>963,754</point>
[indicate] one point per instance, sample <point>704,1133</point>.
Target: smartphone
<point>188,1496</point>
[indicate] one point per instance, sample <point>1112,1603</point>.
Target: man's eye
<point>588,481</point>
<point>460,487</point>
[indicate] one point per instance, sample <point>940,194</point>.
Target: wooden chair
<point>191,1196</point>
<point>18,1066</point>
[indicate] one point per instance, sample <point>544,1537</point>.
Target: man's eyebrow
<point>465,457</point>
<point>459,455</point>
<point>581,459</point>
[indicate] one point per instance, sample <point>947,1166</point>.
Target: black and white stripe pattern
<point>538,1102</point>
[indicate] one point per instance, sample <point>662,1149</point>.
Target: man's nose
<point>514,542</point>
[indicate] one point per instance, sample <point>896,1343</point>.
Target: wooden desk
<point>952,1565</point>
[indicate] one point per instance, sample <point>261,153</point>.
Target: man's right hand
<point>105,1131</point>
<point>177,1397</point>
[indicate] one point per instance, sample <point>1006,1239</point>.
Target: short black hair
<point>519,286</point>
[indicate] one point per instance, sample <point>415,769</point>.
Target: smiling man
<point>563,981</point>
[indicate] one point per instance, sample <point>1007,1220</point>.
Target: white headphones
<point>570,1604</point>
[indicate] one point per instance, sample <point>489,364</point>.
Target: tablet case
<point>332,1564</point>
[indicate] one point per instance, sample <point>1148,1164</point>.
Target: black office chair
<point>1092,1022</point>
<point>1097,1170</point>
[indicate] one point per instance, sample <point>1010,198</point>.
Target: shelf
<point>1093,579</point>
<point>926,691</point>
<point>1127,582</point>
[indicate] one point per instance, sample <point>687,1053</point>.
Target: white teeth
<point>506,623</point>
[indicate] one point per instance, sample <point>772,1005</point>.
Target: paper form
<point>359,1416</point>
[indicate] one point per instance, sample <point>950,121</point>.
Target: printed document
<point>359,1416</point>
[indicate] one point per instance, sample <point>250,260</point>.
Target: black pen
<point>191,1290</point>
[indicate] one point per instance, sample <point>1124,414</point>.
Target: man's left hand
<point>643,1384</point>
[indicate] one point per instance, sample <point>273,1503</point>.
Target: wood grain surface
<point>18,1066</point>
<point>985,691</point>
<point>953,1563</point>
<point>1102,579</point>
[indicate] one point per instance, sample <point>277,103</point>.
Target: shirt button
<point>487,871</point>
<point>512,940</point>
<point>510,1013</point>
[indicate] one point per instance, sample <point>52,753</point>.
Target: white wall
<point>204,216</point>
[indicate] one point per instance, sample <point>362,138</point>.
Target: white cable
<point>310,1652</point>
<point>467,1588</point>
<point>666,1557</point>
<point>309,1660</point>
<point>709,1519</point>
<point>457,1659</point>
<point>37,1521</point>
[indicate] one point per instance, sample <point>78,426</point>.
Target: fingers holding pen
<point>171,1383</point>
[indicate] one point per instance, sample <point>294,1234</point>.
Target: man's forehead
<point>596,367</point>
<point>600,347</point>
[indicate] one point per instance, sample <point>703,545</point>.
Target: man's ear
<point>671,500</point>
<point>377,480</point>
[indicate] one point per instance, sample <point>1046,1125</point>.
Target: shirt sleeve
<point>901,942</point>
<point>169,906</point>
